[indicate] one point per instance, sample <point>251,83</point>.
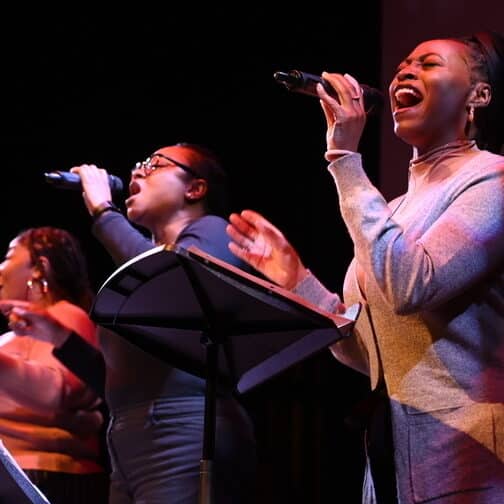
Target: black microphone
<point>69,180</point>
<point>302,82</point>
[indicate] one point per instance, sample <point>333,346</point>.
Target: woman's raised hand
<point>259,243</point>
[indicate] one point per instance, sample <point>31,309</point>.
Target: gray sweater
<point>429,272</point>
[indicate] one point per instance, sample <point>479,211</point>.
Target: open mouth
<point>134,188</point>
<point>406,97</point>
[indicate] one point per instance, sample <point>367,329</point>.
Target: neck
<point>167,233</point>
<point>42,300</point>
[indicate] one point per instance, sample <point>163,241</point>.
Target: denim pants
<point>156,449</point>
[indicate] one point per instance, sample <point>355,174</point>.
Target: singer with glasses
<point>155,435</point>
<point>428,272</point>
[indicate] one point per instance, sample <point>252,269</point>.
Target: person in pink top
<point>50,421</point>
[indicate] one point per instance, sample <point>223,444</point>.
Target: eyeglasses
<point>155,162</point>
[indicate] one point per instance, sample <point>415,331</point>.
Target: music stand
<point>15,486</point>
<point>184,306</point>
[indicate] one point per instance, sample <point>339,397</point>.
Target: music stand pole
<point>209,341</point>
<point>206,463</point>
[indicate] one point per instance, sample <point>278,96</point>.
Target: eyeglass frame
<point>150,168</point>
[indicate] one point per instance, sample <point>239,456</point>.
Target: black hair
<point>206,164</point>
<point>67,278</point>
<point>486,50</point>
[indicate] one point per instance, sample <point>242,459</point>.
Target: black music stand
<point>185,306</point>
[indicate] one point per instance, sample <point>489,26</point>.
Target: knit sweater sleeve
<point>121,240</point>
<point>349,350</point>
<point>424,265</point>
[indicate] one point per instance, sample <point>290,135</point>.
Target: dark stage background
<point>109,88</point>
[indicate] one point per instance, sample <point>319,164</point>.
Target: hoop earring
<point>470,115</point>
<point>44,288</point>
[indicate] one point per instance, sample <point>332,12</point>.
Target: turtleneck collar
<point>451,149</point>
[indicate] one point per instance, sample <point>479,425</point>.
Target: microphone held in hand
<point>69,180</point>
<point>302,82</point>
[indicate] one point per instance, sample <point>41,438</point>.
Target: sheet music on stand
<point>15,486</point>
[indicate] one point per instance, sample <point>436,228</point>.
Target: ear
<point>196,190</point>
<point>41,269</point>
<point>480,95</point>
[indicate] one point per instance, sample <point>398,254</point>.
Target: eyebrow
<point>432,53</point>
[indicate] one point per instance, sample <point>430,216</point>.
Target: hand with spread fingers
<point>262,245</point>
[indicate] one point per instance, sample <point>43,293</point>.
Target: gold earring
<point>470,115</point>
<point>43,284</point>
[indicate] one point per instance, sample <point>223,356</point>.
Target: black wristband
<point>107,206</point>
<point>84,360</point>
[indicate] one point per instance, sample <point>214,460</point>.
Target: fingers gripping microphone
<point>302,82</point>
<point>69,180</point>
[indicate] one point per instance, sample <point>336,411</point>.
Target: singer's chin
<point>130,211</point>
<point>133,214</point>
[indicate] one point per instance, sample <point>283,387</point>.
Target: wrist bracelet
<point>106,206</point>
